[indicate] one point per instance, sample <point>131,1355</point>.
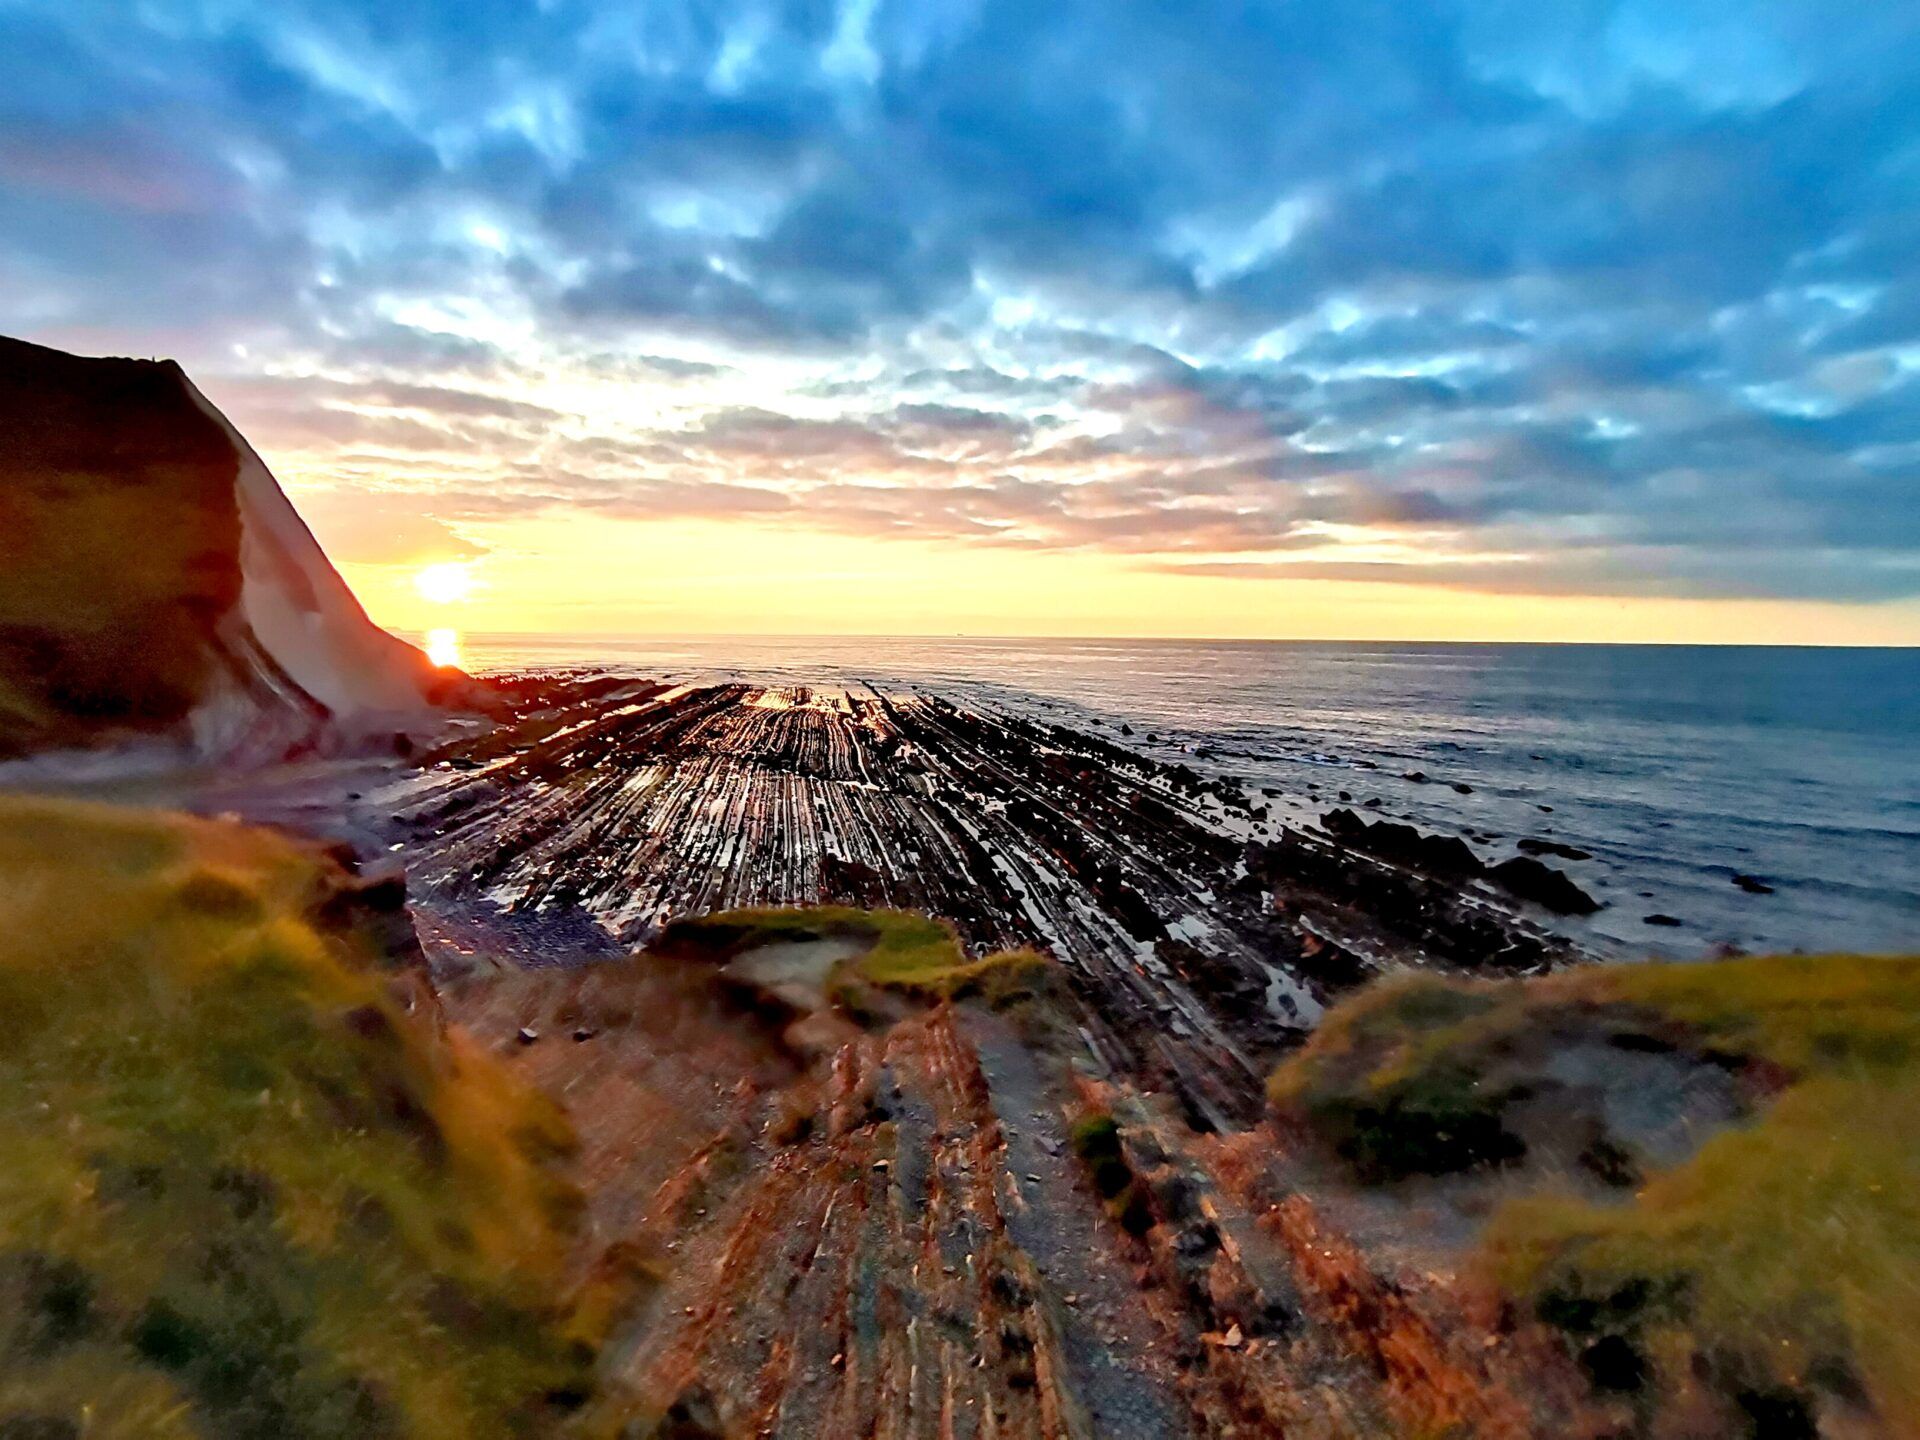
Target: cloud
<point>1622,295</point>
<point>359,528</point>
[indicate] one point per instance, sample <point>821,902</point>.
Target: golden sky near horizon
<point>576,574</point>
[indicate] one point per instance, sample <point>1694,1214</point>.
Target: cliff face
<point>154,580</point>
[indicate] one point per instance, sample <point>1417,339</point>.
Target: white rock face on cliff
<point>301,613</point>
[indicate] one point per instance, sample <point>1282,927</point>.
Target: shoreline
<point>1130,1186</point>
<point>1203,934</point>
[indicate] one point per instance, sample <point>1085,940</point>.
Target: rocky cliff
<point>155,581</point>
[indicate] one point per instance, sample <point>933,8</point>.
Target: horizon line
<point>585,635</point>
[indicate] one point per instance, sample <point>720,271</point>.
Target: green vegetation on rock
<point>1096,1145</point>
<point>1780,1259</point>
<point>246,1192</point>
<point>901,951</point>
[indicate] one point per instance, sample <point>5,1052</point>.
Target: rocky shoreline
<point>1201,940</point>
<point>1044,1174</point>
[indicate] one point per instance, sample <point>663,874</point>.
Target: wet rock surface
<point>633,803</point>
<point>1545,886</point>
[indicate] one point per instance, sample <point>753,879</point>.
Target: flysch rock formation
<point>1200,956</point>
<point>156,582</point>
<point>1062,1217</point>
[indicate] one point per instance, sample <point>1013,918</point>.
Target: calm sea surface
<point>1677,767</point>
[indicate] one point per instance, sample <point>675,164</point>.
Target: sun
<point>445,583</point>
<point>443,648</point>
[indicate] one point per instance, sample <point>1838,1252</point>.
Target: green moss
<point>1384,1083</point>
<point>245,1192</point>
<point>1783,1257</point>
<point>1095,1139</point>
<point>906,952</point>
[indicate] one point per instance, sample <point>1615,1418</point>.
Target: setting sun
<point>443,647</point>
<point>445,583</point>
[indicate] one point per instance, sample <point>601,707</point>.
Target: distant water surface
<point>1677,767</point>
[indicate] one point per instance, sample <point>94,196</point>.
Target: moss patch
<point>1782,1258</point>
<point>1096,1145</point>
<point>1382,1081</point>
<point>906,953</point>
<point>246,1193</point>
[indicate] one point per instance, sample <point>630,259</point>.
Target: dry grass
<point>246,1193</point>
<point>1782,1259</point>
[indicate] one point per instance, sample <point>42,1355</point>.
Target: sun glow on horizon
<point>443,648</point>
<point>446,582</point>
<point>570,575</point>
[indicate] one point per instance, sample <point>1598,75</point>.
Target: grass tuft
<point>906,952</point>
<point>1095,1139</point>
<point>245,1191</point>
<point>1781,1259</point>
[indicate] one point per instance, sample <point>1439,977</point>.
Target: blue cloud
<point>1617,297</point>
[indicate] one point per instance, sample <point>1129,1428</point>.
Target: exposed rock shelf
<point>638,802</point>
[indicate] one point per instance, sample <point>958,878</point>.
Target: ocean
<point>1675,767</point>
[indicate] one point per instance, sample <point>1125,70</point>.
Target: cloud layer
<point>1589,298</point>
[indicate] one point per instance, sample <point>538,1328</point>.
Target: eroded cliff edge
<point>155,582</point>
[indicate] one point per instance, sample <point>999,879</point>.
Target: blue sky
<point>1581,298</point>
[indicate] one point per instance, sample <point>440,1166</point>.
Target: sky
<point>1503,319</point>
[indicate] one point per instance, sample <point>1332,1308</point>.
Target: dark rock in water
<point>1463,787</point>
<point>1126,729</point>
<point>1753,884</point>
<point>1546,809</point>
<point>1418,777</point>
<point>1533,845</point>
<point>1436,854</point>
<point>1543,885</point>
<point>1436,913</point>
<point>1375,803</point>
<point>1657,919</point>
